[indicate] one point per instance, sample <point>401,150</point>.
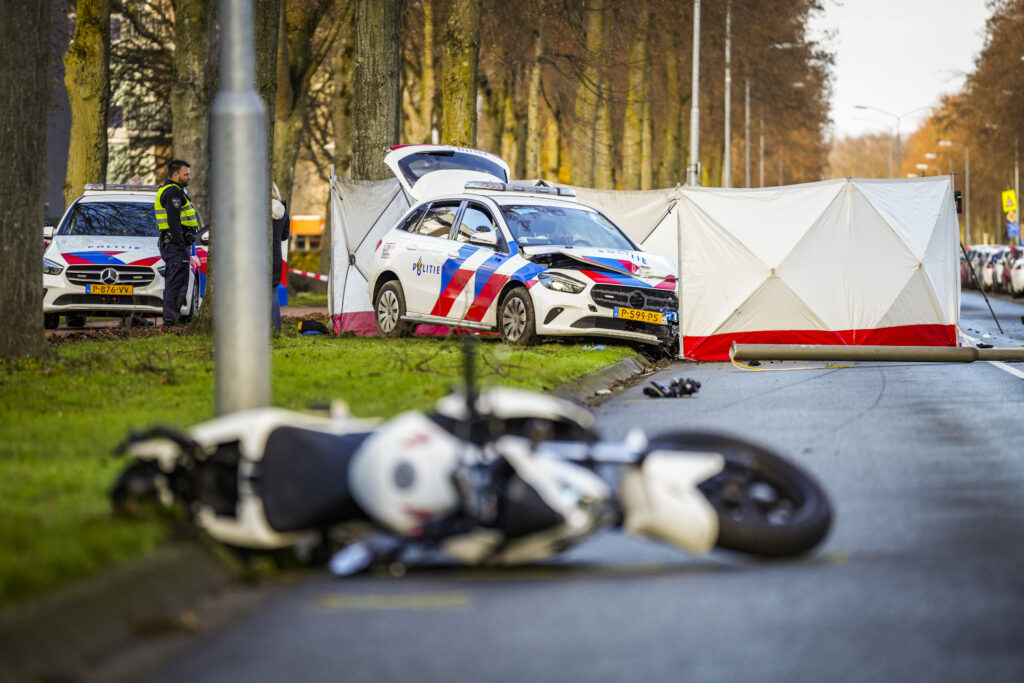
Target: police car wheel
<point>193,307</point>
<point>516,319</point>
<point>388,310</point>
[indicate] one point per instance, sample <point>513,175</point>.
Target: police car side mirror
<point>484,238</point>
<point>47,232</point>
<point>204,236</point>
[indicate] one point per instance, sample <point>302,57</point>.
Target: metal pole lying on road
<point>899,354</point>
<point>241,206</point>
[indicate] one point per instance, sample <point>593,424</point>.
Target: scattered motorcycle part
<point>677,388</point>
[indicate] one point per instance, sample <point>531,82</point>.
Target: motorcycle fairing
<point>663,491</point>
<point>402,475</point>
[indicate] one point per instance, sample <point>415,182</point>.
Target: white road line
<point>999,364</point>
<point>1007,368</point>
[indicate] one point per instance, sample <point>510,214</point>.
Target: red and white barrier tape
<point>315,276</point>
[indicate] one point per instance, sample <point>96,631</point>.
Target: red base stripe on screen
<point>716,347</point>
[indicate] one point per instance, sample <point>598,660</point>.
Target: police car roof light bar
<point>494,186</point>
<point>121,186</point>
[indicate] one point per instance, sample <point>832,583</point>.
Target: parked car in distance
<point>103,260</point>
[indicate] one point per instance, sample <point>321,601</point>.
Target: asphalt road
<point>922,578</point>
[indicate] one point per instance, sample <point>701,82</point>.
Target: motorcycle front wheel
<point>766,505</point>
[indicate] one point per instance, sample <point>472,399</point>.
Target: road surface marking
<point>448,600</point>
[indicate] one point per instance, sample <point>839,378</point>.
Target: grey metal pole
<point>746,129</point>
<point>967,188</point>
<point>727,155</point>
<point>899,148</point>
<point>1016,183</point>
<point>241,330</point>
<point>692,178</point>
<point>898,354</point>
<point>761,161</point>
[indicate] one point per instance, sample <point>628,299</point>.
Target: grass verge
<point>61,417</point>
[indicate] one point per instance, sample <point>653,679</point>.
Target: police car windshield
<point>415,166</point>
<point>113,219</point>
<point>535,224</point>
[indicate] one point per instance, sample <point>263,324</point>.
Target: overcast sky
<point>898,56</point>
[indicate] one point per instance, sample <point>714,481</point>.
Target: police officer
<point>178,223</point>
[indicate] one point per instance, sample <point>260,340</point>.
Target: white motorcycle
<point>496,478</point>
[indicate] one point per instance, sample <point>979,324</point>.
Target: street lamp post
<point>692,171</point>
<point>898,117</point>
<point>967,185</point>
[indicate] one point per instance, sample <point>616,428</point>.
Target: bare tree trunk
<point>427,81</point>
<point>551,152</point>
<point>24,60</point>
<point>87,77</point>
<point>647,139</point>
<point>192,94</point>
<point>459,56</point>
<point>533,132</point>
<point>604,150</point>
<point>633,120</point>
<point>266,18</point>
<point>509,127</point>
<point>375,111</point>
<point>344,67</point>
<point>297,62</point>
<point>668,169</point>
<point>489,138</point>
<point>585,106</point>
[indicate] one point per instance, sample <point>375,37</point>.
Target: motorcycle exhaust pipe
<point>896,354</point>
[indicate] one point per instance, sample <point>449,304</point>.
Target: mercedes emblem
<point>108,276</point>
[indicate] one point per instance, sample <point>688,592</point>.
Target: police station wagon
<point>521,260</point>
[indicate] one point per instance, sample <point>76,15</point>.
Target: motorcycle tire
<point>766,505</point>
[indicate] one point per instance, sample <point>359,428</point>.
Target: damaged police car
<point>522,260</point>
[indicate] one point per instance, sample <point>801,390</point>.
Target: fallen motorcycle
<point>492,478</point>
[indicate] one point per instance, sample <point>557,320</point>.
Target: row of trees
<point>589,92</point>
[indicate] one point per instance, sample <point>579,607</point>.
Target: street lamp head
<point>945,143</point>
<point>931,155</point>
<point>922,167</point>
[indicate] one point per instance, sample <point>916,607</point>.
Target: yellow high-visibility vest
<point>188,212</point>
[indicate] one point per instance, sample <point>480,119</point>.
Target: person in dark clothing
<point>280,219</point>
<point>176,217</point>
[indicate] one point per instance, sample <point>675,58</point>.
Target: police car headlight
<point>561,283</point>
<point>51,267</point>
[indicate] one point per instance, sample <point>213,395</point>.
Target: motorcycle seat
<point>303,479</point>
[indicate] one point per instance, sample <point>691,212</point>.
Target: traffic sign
<point>1009,200</point>
<point>1013,229</point>
<point>1011,216</point>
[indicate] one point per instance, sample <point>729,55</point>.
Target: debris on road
<point>677,388</point>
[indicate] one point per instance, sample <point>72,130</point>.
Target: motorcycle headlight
<point>561,283</point>
<point>51,267</point>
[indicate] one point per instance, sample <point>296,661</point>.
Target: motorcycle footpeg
<point>361,556</point>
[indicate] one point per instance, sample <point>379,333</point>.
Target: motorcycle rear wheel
<point>766,505</point>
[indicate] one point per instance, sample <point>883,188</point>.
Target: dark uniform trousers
<point>176,257</point>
